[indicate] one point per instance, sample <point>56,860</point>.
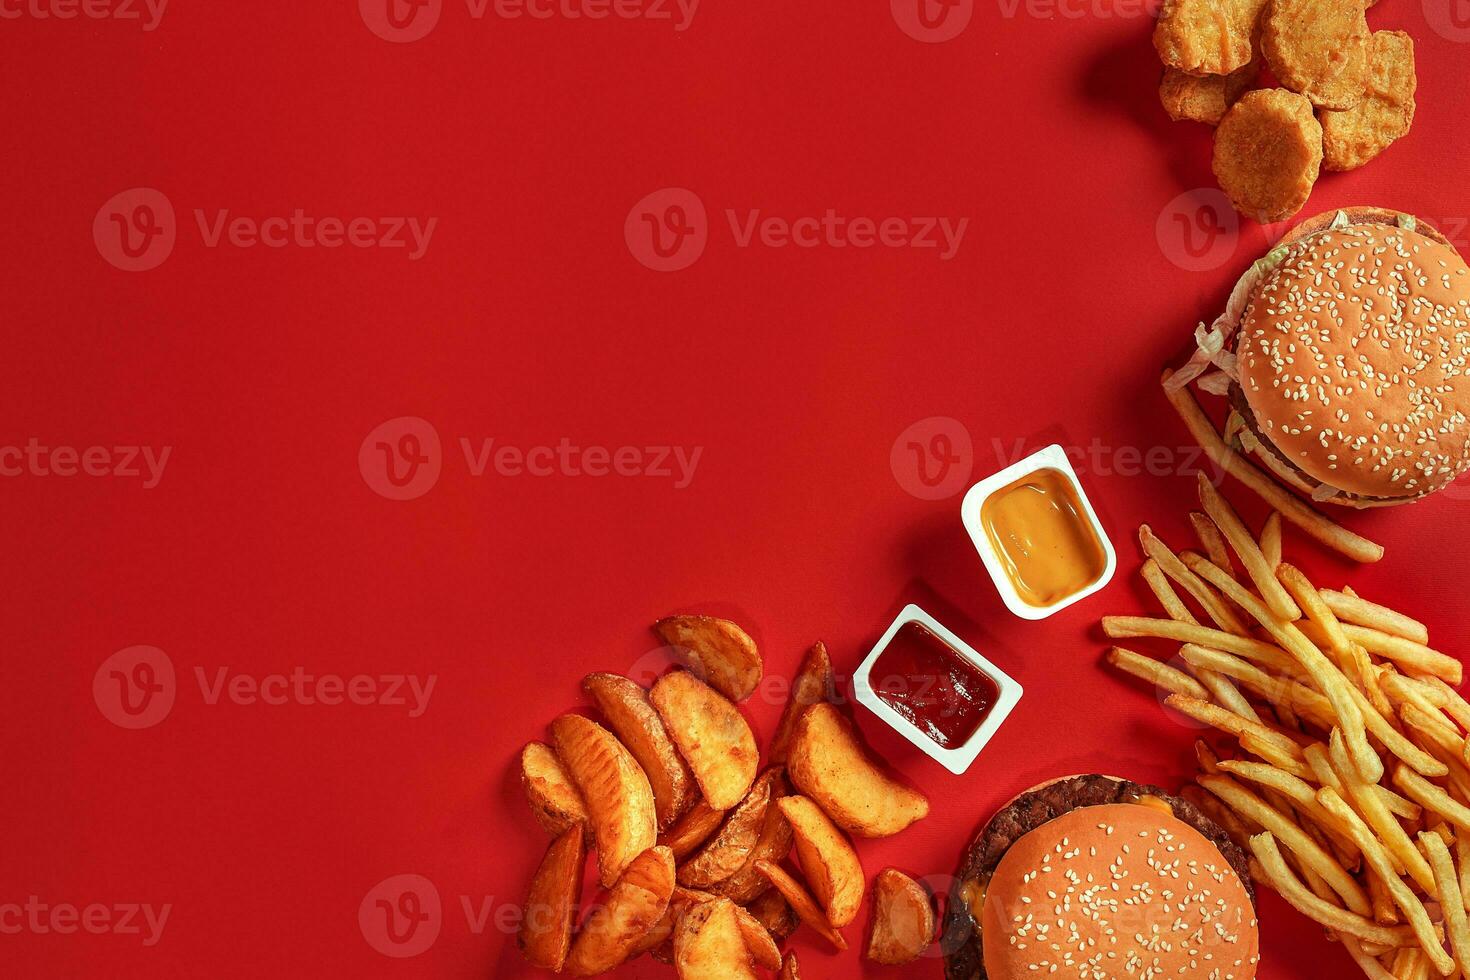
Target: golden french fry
<point>1277,690</point>
<point>1329,679</point>
<point>1318,612</point>
<point>1229,722</point>
<point>1360,612</point>
<point>1451,899</point>
<point>1157,673</point>
<point>1212,541</point>
<point>1206,756</point>
<point>1249,552</point>
<point>1393,740</point>
<point>801,900</point>
<point>1281,826</point>
<point>1377,857</point>
<point>1234,825</point>
<point>1270,543</point>
<point>1408,655</point>
<point>1400,807</point>
<point>1431,797</point>
<point>1123,627</point>
<point>1371,968</point>
<point>1303,795</point>
<point>1279,877</point>
<point>1327,532</point>
<point>1375,813</point>
<point>1158,582</point>
<point>1172,566</point>
<point>1448,700</point>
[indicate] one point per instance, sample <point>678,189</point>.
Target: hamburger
<point>1344,353</point>
<point>1095,877</point>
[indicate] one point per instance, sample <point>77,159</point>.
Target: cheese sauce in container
<point>1037,534</point>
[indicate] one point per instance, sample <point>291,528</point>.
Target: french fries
<point>903,919</point>
<point>828,764</point>
<point>1157,673</point>
<point>1262,573</point>
<point>774,912</point>
<point>772,844</point>
<point>717,651</point>
<point>1350,786</point>
<point>758,940</point>
<point>692,830</point>
<point>1291,508</point>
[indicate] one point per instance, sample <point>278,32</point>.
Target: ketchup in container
<point>935,689</point>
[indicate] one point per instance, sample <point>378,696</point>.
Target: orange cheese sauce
<point>1042,534</point>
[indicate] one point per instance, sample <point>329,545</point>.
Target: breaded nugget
<point>1352,138</point>
<point>1318,48</point>
<point>1205,98</point>
<point>1268,153</point>
<point>1207,37</point>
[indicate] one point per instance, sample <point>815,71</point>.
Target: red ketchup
<point>935,689</point>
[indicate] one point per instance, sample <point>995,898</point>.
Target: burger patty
<point>963,956</point>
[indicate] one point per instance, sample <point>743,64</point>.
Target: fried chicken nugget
<point>1207,37</point>
<point>1352,138</point>
<point>1319,48</point>
<point>1268,154</point>
<point>1205,98</point>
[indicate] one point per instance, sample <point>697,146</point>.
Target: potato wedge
<point>903,919</point>
<point>693,829</point>
<point>727,851</point>
<point>709,944</point>
<point>545,936</point>
<point>773,844</point>
<point>790,968</point>
<point>631,908</point>
<point>829,765</point>
<point>615,789</point>
<point>802,903</point>
<point>813,684</point>
<point>774,912</point>
<point>555,800</point>
<point>712,735</point>
<point>827,859</point>
<point>630,715</point>
<point>718,652</point>
<point>758,940</point>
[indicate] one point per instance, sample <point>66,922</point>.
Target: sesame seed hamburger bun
<point>1352,360</point>
<point>1096,876</point>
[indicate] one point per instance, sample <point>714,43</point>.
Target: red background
<point>528,320</point>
